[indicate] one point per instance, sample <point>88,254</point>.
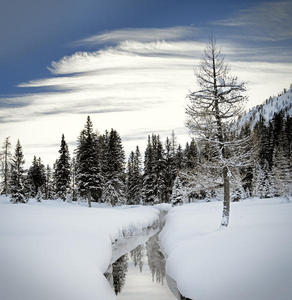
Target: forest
<point>167,172</point>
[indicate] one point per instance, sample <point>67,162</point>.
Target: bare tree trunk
<point>89,199</point>
<point>226,202</point>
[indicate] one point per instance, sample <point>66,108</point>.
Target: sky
<point>129,64</point>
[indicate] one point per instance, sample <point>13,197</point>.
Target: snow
<point>251,259</point>
<point>56,250</point>
<point>269,109</point>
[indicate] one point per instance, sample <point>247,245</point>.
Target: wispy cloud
<point>270,21</point>
<point>132,84</point>
<point>141,35</point>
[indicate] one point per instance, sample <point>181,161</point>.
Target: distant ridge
<point>267,110</point>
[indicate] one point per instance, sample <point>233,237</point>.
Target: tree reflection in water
<point>120,268</point>
<point>137,256</point>
<point>156,262</point>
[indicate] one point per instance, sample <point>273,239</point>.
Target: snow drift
<point>55,250</point>
<point>251,259</point>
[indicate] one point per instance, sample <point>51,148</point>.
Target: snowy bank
<point>251,259</point>
<point>56,250</point>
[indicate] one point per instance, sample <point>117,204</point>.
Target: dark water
<point>140,274</point>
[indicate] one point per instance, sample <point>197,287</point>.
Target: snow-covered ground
<point>251,259</point>
<point>55,250</point>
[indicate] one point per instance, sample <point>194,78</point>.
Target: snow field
<point>251,259</point>
<point>56,250</point>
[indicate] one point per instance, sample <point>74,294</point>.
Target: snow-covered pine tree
<point>262,180</point>
<point>282,170</point>
<point>103,153</point>
<point>246,172</point>
<point>17,176</point>
<point>134,178</point>
<point>212,109</point>
<point>5,165</point>
<point>179,157</point>
<point>89,178</point>
<point>37,177</point>
<point>149,178</point>
<point>63,171</point>
<point>54,179</point>
<point>178,194</point>
<point>159,169</point>
<point>191,155</point>
<point>48,190</point>
<point>114,170</point>
<point>73,173</point>
<point>170,166</point>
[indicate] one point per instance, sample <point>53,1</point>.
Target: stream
<point>139,274</point>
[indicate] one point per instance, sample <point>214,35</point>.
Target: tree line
<point>98,171</point>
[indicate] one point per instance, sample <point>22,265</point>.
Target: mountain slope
<point>267,110</point>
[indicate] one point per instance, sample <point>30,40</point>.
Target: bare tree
<point>213,110</point>
<point>5,165</point>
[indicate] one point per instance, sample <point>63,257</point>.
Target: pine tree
<point>212,110</point>
<point>115,157</point>
<point>170,166</point>
<point>63,171</point>
<point>264,186</point>
<point>177,196</point>
<point>282,170</point>
<point>48,184</point>
<point>159,169</point>
<point>89,176</point>
<point>134,178</point>
<point>73,173</point>
<point>17,176</point>
<point>179,158</point>
<point>191,153</point>
<point>5,165</point>
<point>149,178</point>
<point>37,177</point>
<point>246,173</point>
<point>114,170</point>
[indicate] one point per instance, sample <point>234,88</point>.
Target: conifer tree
<point>114,190</point>
<point>63,171</point>
<point>191,153</point>
<point>177,196</point>
<point>37,177</point>
<point>149,177</point>
<point>179,158</point>
<point>134,178</point>
<point>5,165</point>
<point>282,170</point>
<point>88,177</point>
<point>159,169</point>
<point>48,184</point>
<point>170,169</point>
<point>73,173</point>
<point>17,176</point>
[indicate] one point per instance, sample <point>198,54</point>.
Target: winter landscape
<point>146,150</point>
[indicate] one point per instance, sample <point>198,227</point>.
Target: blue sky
<point>129,64</point>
